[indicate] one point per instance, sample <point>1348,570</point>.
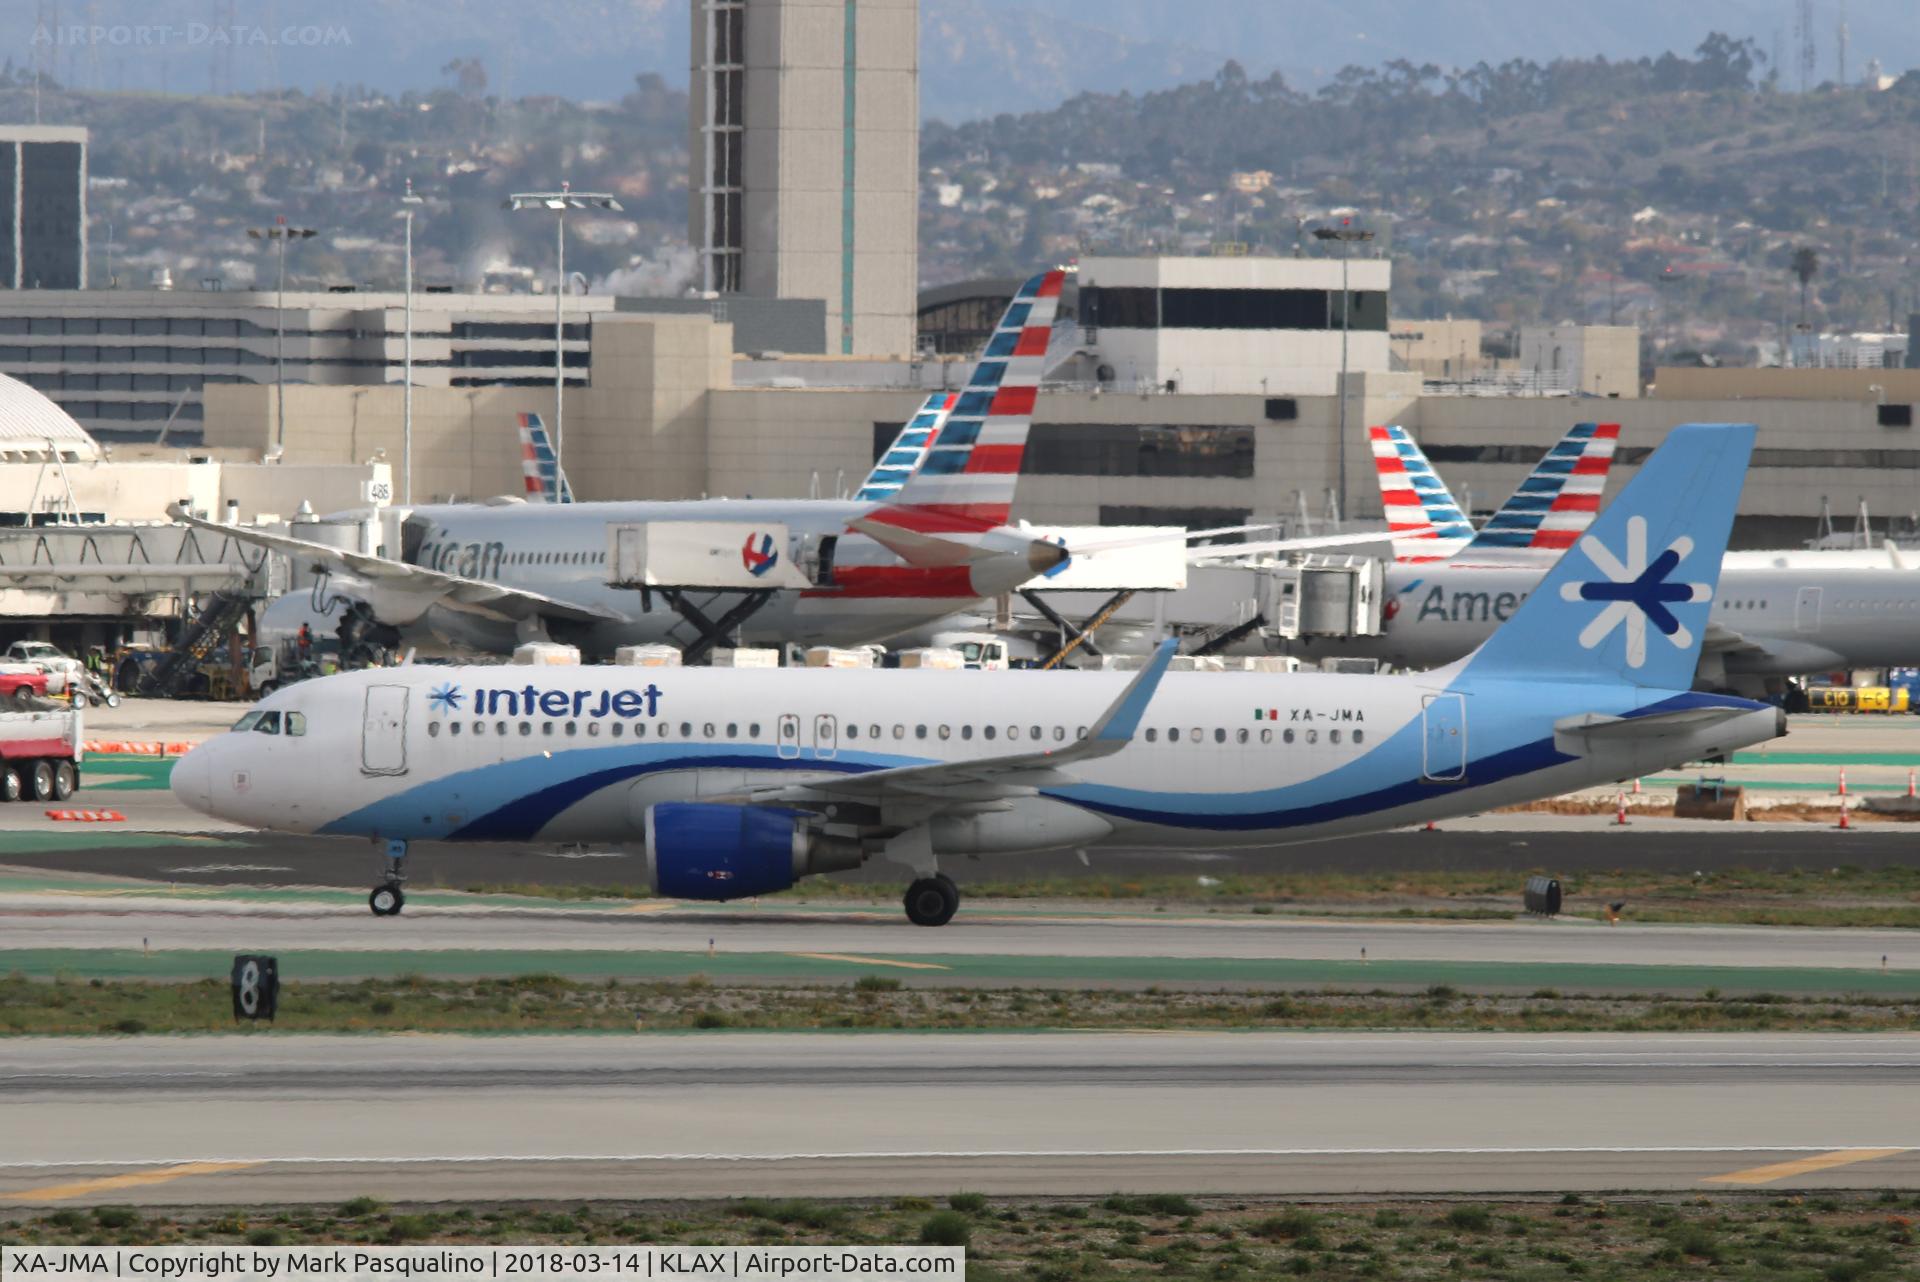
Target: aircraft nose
<point>192,780</point>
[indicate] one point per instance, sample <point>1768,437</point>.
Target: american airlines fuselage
<point>863,591</point>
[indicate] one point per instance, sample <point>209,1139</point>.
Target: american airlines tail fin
<point>546,483</point>
<point>908,451</point>
<point>966,482</point>
<point>1628,602</point>
<point>1415,499</point>
<point>1557,501</point>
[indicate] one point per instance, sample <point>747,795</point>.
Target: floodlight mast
<point>559,202</point>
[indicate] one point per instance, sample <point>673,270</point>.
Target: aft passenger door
<point>787,737</point>
<point>1806,610</point>
<point>383,731</point>
<point>826,737</point>
<point>1445,756</point>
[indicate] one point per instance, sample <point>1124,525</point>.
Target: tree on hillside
<point>1805,265</point>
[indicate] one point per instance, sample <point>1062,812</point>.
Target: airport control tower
<point>805,120</point>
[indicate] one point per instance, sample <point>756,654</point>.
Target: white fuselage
<point>520,753</point>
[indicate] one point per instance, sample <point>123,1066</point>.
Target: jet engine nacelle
<point>708,851</point>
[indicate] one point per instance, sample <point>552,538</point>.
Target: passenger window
<point>546,727</point>
<point>296,723</point>
<point>753,730</point>
<point>499,727</point>
<point>1080,732</point>
<point>573,727</point>
<point>1219,735</point>
<point>686,729</point>
<point>1359,737</point>
<point>664,729</point>
<point>873,732</point>
<point>946,732</point>
<point>1266,736</point>
<point>1173,734</point>
<point>479,727</point>
<point>1059,734</point>
<point>899,731</point>
<point>1240,735</point>
<point>919,732</point>
<point>733,730</point>
<point>1033,732</point>
<point>433,729</point>
<point>1153,736</point>
<point>617,730</point>
<point>453,727</point>
<point>1313,736</point>
<point>1286,736</point>
<point>707,730</point>
<point>966,732</point>
<point>1333,736</point>
<point>989,732</point>
<point>593,729</point>
<point>526,727</point>
<point>269,723</point>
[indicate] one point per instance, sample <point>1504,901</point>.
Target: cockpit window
<point>296,723</point>
<point>247,722</point>
<point>269,723</point>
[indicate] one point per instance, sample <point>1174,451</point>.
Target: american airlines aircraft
<point>487,576</point>
<point>1773,619</point>
<point>739,782</point>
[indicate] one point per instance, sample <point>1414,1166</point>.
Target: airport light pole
<point>407,204</point>
<point>560,202</point>
<point>280,234</point>
<point>1346,233</point>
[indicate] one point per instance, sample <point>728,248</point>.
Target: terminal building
<point>43,207</point>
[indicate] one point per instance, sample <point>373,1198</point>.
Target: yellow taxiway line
<point>109,1183</point>
<point>870,961</point>
<point>1803,1166</point>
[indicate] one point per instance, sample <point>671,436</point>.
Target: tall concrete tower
<point>805,141</point>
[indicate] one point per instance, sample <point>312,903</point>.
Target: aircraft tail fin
<point>1628,603</point>
<point>546,483</point>
<point>1415,499</point>
<point>1556,503</point>
<point>903,458</point>
<point>966,482</point>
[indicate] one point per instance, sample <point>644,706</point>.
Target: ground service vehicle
<point>39,755</point>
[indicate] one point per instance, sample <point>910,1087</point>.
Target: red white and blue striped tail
<point>1426,523</point>
<point>908,451</point>
<point>965,484</point>
<point>1556,503</point>
<point>545,482</point>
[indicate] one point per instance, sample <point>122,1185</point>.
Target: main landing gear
<point>932,901</point>
<point>388,898</point>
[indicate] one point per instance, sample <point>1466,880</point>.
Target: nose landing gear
<point>389,897</point>
<point>932,901</point>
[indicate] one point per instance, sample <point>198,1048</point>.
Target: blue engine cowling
<point>703,851</point>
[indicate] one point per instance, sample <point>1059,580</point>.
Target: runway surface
<point>270,1118</point>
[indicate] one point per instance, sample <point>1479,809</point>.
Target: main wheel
<point>65,780</point>
<point>23,696</point>
<point>932,901</point>
<point>11,787</point>
<point>41,780</point>
<point>387,900</point>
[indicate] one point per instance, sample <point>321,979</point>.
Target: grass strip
<point>546,1003</point>
<point>1841,1237</point>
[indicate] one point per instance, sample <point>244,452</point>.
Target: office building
<point>43,207</point>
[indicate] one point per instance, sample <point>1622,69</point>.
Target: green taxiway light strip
<point>591,964</point>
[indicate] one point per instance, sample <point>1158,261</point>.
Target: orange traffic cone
<point>1844,825</point>
<point>1620,811</point>
<point>1843,781</point>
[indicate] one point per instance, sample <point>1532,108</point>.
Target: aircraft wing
<point>990,778</point>
<point>389,575</point>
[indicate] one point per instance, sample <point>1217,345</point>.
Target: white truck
<point>40,755</point>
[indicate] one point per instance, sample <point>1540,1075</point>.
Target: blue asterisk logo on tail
<point>1636,591</point>
<point>444,698</point>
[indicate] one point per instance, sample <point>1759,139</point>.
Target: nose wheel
<point>932,901</point>
<point>389,897</point>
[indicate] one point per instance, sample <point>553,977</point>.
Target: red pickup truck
<point>22,683</point>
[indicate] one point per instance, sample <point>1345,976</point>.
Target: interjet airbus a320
<point>739,782</point>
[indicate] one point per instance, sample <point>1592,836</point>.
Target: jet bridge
<point>144,570</point>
